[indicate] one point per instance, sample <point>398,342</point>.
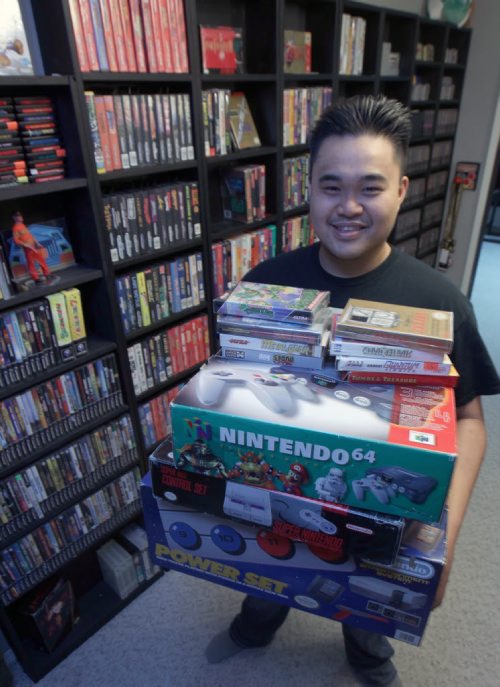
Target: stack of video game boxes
<point>292,484</point>
<point>12,163</point>
<point>379,343</point>
<point>299,342</point>
<point>30,145</point>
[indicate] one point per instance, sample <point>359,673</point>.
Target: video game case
<point>137,128</point>
<point>389,365</point>
<point>144,124</point>
<point>121,131</point>
<point>128,247</point>
<point>147,222</point>
<point>129,128</point>
<point>113,138</point>
<point>396,324</point>
<point>117,230</point>
<point>449,380</point>
<point>275,358</point>
<point>152,129</point>
<point>76,320</point>
<point>61,324</point>
<point>136,382</point>
<point>313,334</point>
<point>167,127</point>
<point>162,215</point>
<point>110,230</point>
<point>103,133</point>
<point>155,220</point>
<point>171,123</point>
<point>150,294</point>
<point>175,214</point>
<point>266,301</point>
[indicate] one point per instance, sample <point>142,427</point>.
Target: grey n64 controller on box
<point>276,391</point>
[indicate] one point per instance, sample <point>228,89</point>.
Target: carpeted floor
<point>158,640</point>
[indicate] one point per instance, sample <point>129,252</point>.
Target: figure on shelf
<point>33,251</point>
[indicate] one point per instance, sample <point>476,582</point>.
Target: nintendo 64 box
<point>384,448</point>
<point>394,600</point>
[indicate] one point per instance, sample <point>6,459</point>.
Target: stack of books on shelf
<point>155,417</point>
<point>301,108</point>
<point>381,343</point>
<point>130,36</point>
<point>149,219</point>
<point>251,328</point>
<point>228,123</point>
<point>137,129</point>
<point>157,358</point>
<point>352,45</point>
<point>152,294</point>
<point>31,149</point>
<point>304,480</point>
<point>40,335</point>
<point>33,492</point>
<point>233,257</point>
<point>41,552</point>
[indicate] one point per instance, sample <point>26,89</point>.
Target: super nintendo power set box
<point>392,600</point>
<point>343,530</point>
<point>385,448</point>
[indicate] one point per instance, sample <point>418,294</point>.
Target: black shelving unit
<point>81,197</point>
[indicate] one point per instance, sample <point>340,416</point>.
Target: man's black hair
<point>364,114</point>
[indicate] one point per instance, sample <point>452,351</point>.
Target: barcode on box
<point>407,637</point>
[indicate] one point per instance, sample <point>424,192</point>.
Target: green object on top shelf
<point>455,11</point>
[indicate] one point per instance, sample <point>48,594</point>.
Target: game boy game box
<point>385,448</point>
<point>394,600</point>
<point>344,530</point>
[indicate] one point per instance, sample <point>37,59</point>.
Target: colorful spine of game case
<point>391,323</point>
<point>272,345</point>
<point>76,319</point>
<point>291,360</point>
<point>273,302</point>
<point>390,365</point>
<point>371,349</point>
<point>282,331</point>
<point>449,380</point>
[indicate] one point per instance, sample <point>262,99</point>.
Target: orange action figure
<point>33,250</point>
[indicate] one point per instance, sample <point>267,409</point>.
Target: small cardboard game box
<point>343,530</point>
<point>392,600</point>
<point>48,613</point>
<point>386,448</point>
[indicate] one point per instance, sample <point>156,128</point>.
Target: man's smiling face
<point>357,189</point>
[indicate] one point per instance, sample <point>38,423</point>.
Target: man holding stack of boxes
<point>357,185</point>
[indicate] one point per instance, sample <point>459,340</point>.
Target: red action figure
<point>33,250</point>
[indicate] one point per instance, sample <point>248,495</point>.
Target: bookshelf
<point>420,61</point>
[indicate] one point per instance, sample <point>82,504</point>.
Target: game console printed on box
<point>394,600</point>
<point>340,528</point>
<point>346,436</point>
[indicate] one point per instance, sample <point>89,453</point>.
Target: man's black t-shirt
<point>402,280</point>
